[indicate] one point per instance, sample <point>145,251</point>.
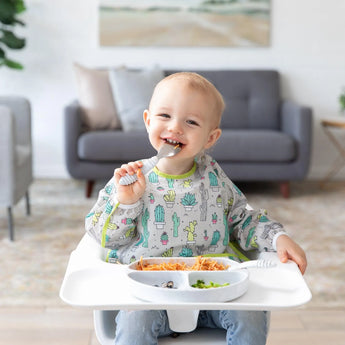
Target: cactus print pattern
<point>199,212</point>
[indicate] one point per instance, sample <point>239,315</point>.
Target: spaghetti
<point>201,264</point>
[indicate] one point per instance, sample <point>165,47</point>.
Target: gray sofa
<point>264,138</point>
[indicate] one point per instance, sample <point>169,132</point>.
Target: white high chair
<point>108,291</point>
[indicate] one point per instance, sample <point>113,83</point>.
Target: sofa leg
<point>89,187</point>
<point>285,189</point>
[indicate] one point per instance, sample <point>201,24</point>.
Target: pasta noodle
<point>201,264</point>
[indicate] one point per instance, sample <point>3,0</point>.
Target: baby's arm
<point>253,229</point>
<point>289,249</point>
<point>112,220</point>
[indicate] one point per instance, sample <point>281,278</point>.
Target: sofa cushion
<point>254,146</point>
<point>95,98</point>
<point>233,146</point>
<point>114,146</point>
<point>132,92</point>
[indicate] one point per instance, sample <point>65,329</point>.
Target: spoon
<point>166,150</point>
<point>262,263</point>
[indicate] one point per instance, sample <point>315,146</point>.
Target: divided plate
<point>147,285</point>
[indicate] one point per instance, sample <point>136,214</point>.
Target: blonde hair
<point>200,83</point>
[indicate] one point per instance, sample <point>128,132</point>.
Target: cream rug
<point>32,267</point>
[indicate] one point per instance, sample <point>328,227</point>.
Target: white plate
<point>147,285</point>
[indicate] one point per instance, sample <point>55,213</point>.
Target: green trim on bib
<point>236,256</point>
<point>176,177</point>
<point>105,226</point>
<point>235,247</point>
<point>107,257</point>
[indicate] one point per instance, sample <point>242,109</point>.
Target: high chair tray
<point>92,283</point>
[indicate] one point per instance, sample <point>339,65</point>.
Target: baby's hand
<point>130,194</point>
<point>289,249</point>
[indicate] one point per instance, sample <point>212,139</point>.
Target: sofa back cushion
<point>252,97</point>
<point>95,98</point>
<point>132,90</point>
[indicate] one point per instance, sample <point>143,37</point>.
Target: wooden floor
<point>67,326</point>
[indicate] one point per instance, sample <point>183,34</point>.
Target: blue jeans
<point>145,326</point>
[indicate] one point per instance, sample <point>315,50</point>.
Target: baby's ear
<point>213,137</point>
<point>146,117</point>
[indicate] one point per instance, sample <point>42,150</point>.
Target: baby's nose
<point>176,127</point>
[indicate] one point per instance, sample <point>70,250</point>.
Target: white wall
<point>307,47</point>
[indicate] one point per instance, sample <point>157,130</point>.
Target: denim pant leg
<point>242,327</point>
<point>141,327</point>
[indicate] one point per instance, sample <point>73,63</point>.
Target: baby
<point>185,206</point>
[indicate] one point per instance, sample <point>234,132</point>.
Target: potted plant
<point>164,238</point>
<point>159,217</point>
<point>188,201</point>
<point>342,101</point>
<point>169,198</point>
<point>9,9</point>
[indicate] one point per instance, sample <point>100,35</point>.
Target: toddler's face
<point>180,114</point>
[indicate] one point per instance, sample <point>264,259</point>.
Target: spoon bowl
<point>166,150</point>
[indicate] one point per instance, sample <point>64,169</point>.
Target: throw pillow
<point>132,91</point>
<point>96,98</point>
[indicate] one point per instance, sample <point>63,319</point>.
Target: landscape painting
<point>184,23</point>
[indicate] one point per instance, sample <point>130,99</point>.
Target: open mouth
<point>173,142</point>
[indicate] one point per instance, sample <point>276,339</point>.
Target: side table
<point>339,163</point>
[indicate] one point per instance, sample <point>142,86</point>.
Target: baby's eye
<point>192,122</point>
<point>166,116</point>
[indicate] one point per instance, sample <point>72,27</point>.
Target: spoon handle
<point>254,264</point>
<point>148,164</point>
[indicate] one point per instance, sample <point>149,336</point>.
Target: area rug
<point>33,266</point>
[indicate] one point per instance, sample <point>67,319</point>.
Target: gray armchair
<point>15,154</point>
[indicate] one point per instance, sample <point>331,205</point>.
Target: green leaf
<point>11,40</point>
<point>342,101</point>
<point>8,19</point>
<point>7,12</point>
<point>20,6</point>
<point>9,9</point>
<point>13,64</point>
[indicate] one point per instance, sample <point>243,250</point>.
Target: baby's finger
<point>140,184</point>
<point>283,255</point>
<point>127,169</point>
<point>301,262</point>
<point>136,165</point>
<point>141,177</point>
<point>132,167</point>
<point>118,174</point>
<point>302,267</point>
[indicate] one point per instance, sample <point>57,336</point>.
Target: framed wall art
<point>184,23</point>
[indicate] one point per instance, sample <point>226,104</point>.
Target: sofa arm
<point>73,129</point>
<point>297,121</point>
